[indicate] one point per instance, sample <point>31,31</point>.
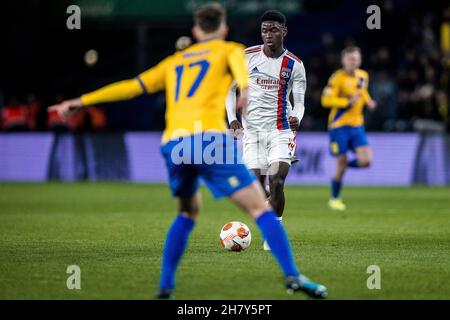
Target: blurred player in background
<point>271,122</point>
<point>182,43</point>
<point>346,95</point>
<point>196,81</point>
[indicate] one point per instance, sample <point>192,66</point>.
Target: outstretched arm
<point>118,91</point>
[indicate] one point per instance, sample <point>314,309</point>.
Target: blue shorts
<point>213,157</point>
<point>347,138</point>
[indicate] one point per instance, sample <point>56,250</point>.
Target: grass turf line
<point>115,233</point>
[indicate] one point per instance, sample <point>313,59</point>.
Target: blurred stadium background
<point>408,61</point>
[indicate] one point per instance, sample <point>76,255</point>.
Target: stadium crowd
<point>31,115</point>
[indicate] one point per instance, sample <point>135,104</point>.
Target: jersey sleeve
<point>330,95</point>
<point>154,79</point>
<point>238,65</point>
<point>149,81</point>
<point>298,92</point>
<point>118,91</point>
<point>230,103</point>
<point>365,90</point>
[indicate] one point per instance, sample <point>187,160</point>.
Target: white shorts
<point>261,149</point>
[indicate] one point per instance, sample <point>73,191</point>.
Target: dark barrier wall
<point>399,159</point>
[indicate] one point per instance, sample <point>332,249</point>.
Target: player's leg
<point>177,240</point>
<point>363,158</point>
<point>254,155</point>
<point>281,147</point>
<point>360,144</point>
<point>262,180</point>
<point>183,182</point>
<point>336,202</point>
<point>339,141</point>
<point>341,167</point>
<point>251,200</point>
<point>238,183</point>
<point>278,173</point>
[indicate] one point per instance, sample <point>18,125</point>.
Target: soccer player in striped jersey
<point>196,81</point>
<point>346,95</point>
<point>276,76</point>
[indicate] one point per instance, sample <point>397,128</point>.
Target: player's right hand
<point>67,108</point>
<point>372,105</point>
<point>236,125</point>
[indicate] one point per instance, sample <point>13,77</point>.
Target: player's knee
<point>276,183</point>
<point>256,207</point>
<point>189,208</point>
<point>365,162</point>
<point>255,213</point>
<point>340,171</point>
<point>192,213</point>
<point>342,162</point>
<point>341,167</point>
<point>251,200</point>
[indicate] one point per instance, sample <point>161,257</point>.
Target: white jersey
<point>271,81</point>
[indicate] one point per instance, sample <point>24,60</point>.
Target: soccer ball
<point>235,236</point>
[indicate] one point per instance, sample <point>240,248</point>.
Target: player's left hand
<point>294,123</point>
<point>372,105</point>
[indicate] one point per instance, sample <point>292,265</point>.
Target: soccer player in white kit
<point>276,77</point>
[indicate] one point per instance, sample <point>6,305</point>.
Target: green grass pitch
<point>115,231</point>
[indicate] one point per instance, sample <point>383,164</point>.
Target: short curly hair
<point>273,15</point>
